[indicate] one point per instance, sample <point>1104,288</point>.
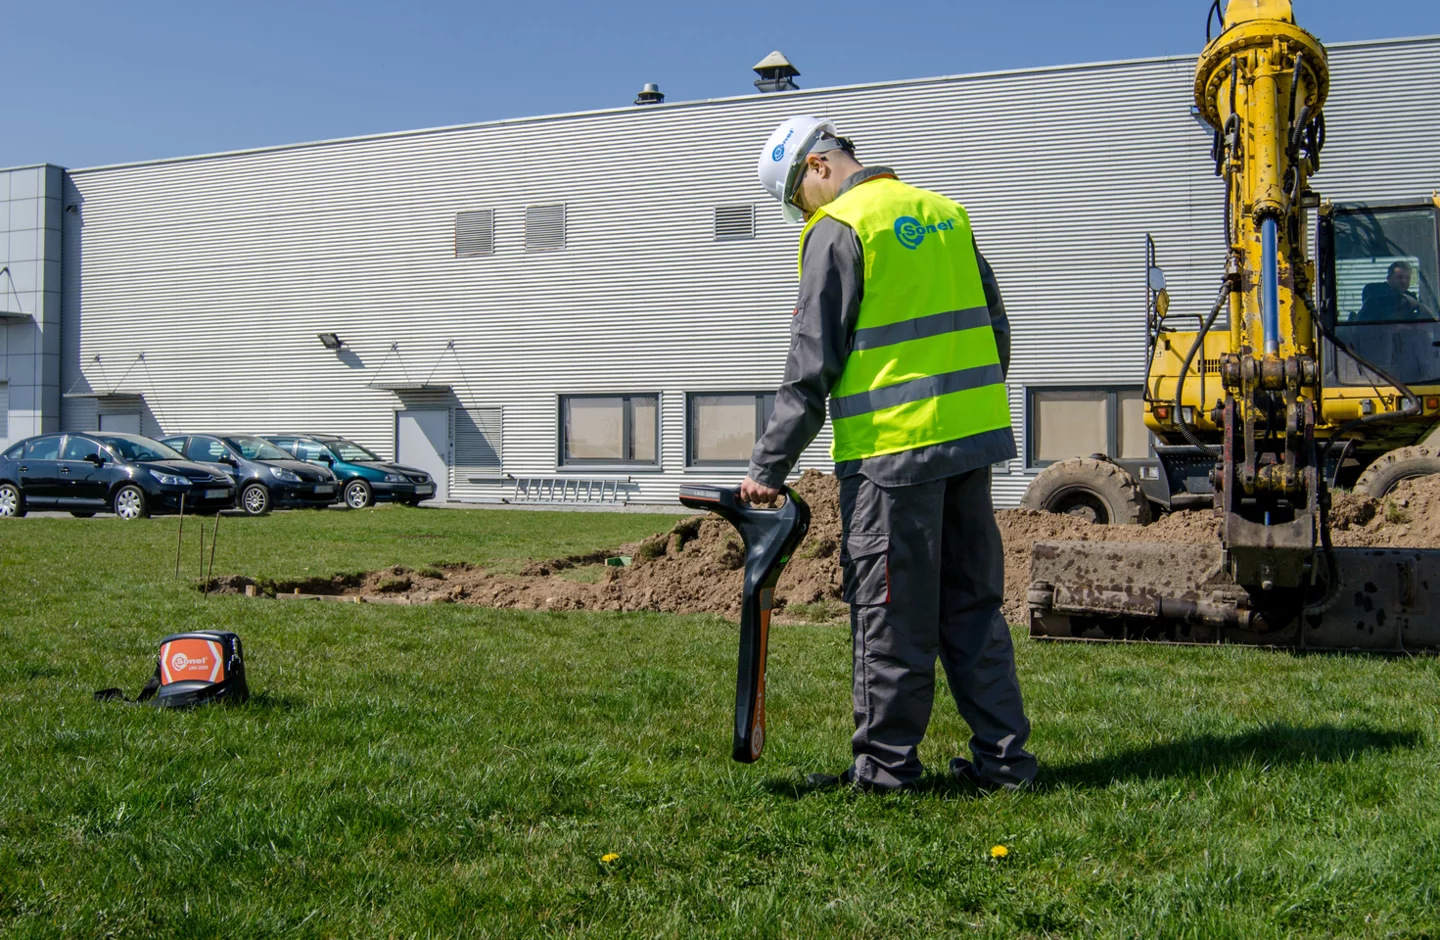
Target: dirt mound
<point>1408,517</point>
<point>696,566</point>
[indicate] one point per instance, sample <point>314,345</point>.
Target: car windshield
<point>131,449</point>
<point>350,452</point>
<point>253,448</point>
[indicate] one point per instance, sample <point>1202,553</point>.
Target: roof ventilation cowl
<point>775,73</point>
<point>650,94</point>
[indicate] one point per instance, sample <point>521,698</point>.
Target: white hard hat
<point>784,156</point>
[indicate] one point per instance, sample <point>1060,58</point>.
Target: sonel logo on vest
<point>911,231</point>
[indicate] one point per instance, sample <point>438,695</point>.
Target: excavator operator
<point>1391,299</point>
<point>900,325</point>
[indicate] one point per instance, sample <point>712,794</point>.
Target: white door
<point>120,424</point>
<point>423,442</point>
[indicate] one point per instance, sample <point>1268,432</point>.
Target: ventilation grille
<point>544,228</point>
<point>477,440</point>
<point>1212,365</point>
<point>475,233</point>
<point>733,222</point>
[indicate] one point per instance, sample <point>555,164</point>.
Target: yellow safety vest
<point>923,367</point>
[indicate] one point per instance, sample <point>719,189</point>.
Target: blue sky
<point>88,83</point>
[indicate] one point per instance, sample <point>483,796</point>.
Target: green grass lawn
<point>447,770</point>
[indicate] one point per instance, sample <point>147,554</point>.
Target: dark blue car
<point>265,476</point>
<point>132,476</point>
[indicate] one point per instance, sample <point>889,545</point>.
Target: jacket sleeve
<point>825,316</point>
<point>999,322</point>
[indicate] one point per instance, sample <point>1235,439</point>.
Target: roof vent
<point>650,94</point>
<point>775,73</point>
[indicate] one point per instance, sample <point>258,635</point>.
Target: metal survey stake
<point>180,536</point>
<point>214,537</point>
<point>770,536</point>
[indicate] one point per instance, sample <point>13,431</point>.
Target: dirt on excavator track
<point>696,566</point>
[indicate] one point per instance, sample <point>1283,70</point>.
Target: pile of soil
<point>696,567</point>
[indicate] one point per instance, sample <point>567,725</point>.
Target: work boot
<point>847,779</point>
<point>826,781</point>
<point>965,772</point>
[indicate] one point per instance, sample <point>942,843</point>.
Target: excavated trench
<point>696,566</point>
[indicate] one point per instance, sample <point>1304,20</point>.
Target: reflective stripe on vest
<point>923,367</point>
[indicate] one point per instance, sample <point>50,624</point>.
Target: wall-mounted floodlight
<point>330,340</point>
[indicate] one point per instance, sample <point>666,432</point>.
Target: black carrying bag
<point>192,669</point>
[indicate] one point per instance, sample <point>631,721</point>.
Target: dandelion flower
<point>609,857</point>
<point>998,851</point>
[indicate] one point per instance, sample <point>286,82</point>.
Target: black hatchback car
<point>265,475</point>
<point>87,473</point>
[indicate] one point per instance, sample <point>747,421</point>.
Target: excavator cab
<point>1380,291</point>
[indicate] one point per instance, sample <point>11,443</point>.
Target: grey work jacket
<point>820,335</point>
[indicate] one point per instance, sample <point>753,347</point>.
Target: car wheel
<point>12,501</point>
<point>358,494</point>
<point>130,502</point>
<point>255,499</point>
<point>82,515</point>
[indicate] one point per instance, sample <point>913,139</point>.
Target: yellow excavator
<point>1307,373</point>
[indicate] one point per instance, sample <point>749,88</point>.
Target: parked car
<point>364,478</point>
<point>132,476</point>
<point>265,475</point>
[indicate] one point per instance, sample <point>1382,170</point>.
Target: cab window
<point>1387,294</point>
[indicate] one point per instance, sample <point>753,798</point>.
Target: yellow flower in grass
<point>998,851</point>
<point>609,857</point>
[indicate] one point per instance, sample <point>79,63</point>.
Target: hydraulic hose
<point>1413,405</point>
<point>1180,421</point>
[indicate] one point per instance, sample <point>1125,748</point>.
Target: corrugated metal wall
<point>222,269</point>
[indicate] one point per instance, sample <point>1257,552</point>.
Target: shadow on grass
<point>269,702</point>
<point>1269,746</point>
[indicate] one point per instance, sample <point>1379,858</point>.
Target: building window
<point>544,228</point>
<point>723,428</point>
<point>477,441</point>
<point>1078,422</point>
<point>615,430</point>
<point>733,222</point>
<point>475,233</point>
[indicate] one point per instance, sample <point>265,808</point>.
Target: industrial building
<point>604,298</point>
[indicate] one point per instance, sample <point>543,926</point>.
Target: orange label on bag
<point>191,660</point>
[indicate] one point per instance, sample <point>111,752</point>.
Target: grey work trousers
<point>925,577</point>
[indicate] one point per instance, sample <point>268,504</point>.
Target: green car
<point>364,478</point>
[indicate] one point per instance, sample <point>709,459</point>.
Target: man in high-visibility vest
<point>901,327</point>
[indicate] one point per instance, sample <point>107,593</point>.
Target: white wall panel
<point>221,269</point>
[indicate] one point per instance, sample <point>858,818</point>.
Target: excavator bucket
<point>1384,600</point>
